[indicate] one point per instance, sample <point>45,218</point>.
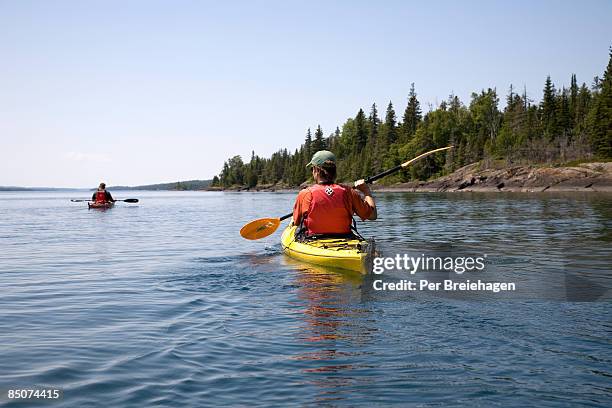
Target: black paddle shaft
<point>385,173</point>
<point>127,200</point>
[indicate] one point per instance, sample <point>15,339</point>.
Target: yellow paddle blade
<point>260,228</point>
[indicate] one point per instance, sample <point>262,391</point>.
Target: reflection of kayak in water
<point>323,275</point>
<point>103,206</point>
<point>333,252</point>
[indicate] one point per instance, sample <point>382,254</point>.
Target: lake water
<point>164,304</point>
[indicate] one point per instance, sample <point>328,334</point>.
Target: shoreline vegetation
<point>189,185</point>
<point>563,143</point>
<point>481,177</point>
<point>582,177</point>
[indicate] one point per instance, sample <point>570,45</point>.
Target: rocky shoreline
<point>595,177</point>
<point>585,177</point>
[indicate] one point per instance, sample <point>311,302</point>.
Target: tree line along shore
<point>569,127</point>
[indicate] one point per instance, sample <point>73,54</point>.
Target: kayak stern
<point>343,253</point>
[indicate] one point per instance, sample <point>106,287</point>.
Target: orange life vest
<point>328,213</point>
<point>100,196</point>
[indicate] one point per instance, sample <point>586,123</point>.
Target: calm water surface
<point>163,304</point>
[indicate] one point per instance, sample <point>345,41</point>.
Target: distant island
<point>189,185</point>
<point>15,188</point>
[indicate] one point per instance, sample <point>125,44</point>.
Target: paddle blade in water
<point>260,228</point>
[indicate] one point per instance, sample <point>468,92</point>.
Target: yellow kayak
<point>343,253</point>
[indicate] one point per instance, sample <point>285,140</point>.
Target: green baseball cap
<point>321,157</point>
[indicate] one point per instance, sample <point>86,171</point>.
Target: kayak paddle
<point>127,200</point>
<point>262,227</point>
<point>265,226</point>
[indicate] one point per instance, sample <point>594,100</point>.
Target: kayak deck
<point>343,253</point>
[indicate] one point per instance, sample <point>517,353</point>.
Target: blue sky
<point>136,92</point>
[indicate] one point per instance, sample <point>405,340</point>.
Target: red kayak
<point>103,206</point>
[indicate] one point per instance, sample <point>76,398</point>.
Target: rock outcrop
<point>583,177</point>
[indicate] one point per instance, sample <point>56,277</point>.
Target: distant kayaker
<point>327,208</point>
<point>102,196</point>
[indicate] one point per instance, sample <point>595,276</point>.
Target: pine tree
<point>563,113</point>
<point>548,110</point>
<point>412,115</point>
<point>510,99</point>
<point>319,142</point>
<point>390,125</point>
<point>573,100</point>
<point>252,171</point>
<point>308,144</point>
<point>333,143</point>
<point>361,135</point>
<point>298,168</point>
<point>454,104</point>
<point>511,124</point>
<point>373,122</point>
<point>582,108</point>
<point>600,116</point>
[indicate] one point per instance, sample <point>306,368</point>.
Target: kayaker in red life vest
<point>102,196</point>
<point>327,207</point>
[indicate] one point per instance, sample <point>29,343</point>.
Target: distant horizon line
<point>117,187</point>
